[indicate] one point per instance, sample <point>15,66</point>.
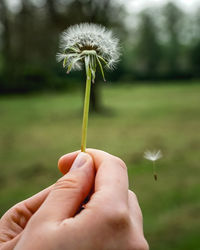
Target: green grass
<point>36,130</point>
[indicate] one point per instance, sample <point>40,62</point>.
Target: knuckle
<point>67,183</point>
<point>118,218</point>
<point>120,162</point>
<point>132,194</point>
<point>140,245</point>
<point>146,245</point>
<point>143,245</point>
<point>21,209</point>
<point>19,214</point>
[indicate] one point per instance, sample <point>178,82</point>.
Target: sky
<point>132,6</point>
<point>138,5</point>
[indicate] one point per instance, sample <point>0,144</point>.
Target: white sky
<point>138,5</point>
<point>132,5</point>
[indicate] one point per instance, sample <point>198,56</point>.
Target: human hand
<point>14,221</point>
<point>110,220</point>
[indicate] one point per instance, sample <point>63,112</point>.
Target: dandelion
<point>153,156</point>
<point>88,45</point>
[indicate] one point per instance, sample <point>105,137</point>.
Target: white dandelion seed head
<point>152,155</point>
<point>88,37</point>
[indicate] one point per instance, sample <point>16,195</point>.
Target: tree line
<point>163,44</point>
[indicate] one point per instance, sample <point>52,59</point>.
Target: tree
<point>173,16</point>
<point>148,48</point>
<point>31,36</point>
<point>4,20</point>
<point>195,47</point>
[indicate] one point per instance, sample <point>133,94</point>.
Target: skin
<point>52,219</point>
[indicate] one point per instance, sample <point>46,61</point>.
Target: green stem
<point>154,171</point>
<point>86,109</point>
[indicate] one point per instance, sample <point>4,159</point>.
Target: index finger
<point>111,182</point>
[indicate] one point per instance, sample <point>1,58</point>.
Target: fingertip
<point>61,164</point>
<point>65,162</point>
<point>89,157</point>
<point>99,156</point>
<point>82,159</point>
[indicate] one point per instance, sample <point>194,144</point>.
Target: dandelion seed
<point>153,156</point>
<point>88,45</point>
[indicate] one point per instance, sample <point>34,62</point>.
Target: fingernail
<point>79,161</point>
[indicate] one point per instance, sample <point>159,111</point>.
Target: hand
<point>52,220</point>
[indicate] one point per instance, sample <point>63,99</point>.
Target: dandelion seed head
<point>152,155</point>
<point>88,37</point>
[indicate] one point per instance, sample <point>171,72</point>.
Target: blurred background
<point>150,101</point>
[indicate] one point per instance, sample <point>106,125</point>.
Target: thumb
<point>70,191</point>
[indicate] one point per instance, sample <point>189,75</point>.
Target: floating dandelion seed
<point>153,156</point>
<point>89,45</point>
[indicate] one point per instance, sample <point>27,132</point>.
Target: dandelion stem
<point>154,171</point>
<point>86,108</point>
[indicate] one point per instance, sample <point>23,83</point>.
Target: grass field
<point>36,130</point>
